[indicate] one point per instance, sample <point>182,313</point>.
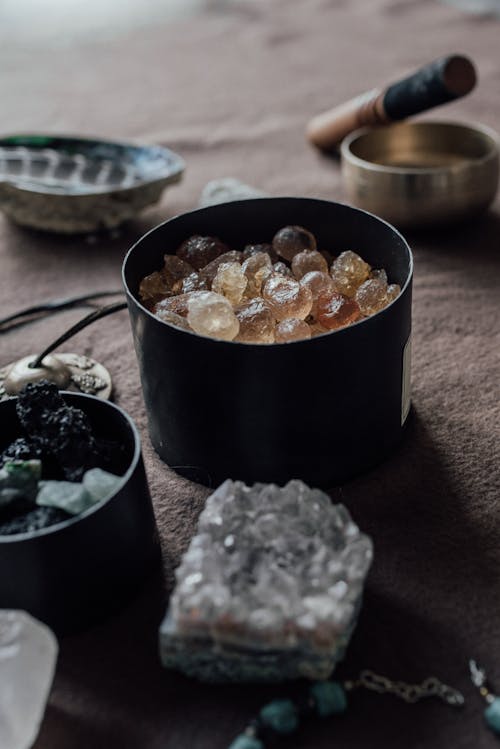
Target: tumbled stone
<point>211,314</point>
<point>307,261</point>
<point>153,288</point>
<point>287,298</point>
<point>230,281</point>
<point>100,484</point>
<point>199,251</point>
<point>28,655</point>
<point>371,296</point>
<point>348,271</point>
<point>292,329</point>
<point>70,496</point>
<point>256,268</point>
<point>269,587</point>
<point>174,271</point>
<point>208,272</point>
<point>336,311</point>
<point>256,321</point>
<point>290,240</point>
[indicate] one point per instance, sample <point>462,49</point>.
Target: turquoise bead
<point>492,715</point>
<point>280,715</point>
<point>246,742</point>
<point>329,698</point>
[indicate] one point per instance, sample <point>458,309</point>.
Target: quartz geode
<point>269,588</point>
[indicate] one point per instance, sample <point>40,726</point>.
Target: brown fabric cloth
<point>231,91</point>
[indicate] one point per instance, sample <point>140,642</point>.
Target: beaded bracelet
<point>282,717</point>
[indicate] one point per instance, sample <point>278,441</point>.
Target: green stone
<point>19,480</point>
<point>280,715</point>
<point>69,496</point>
<point>492,715</point>
<point>246,742</point>
<point>329,698</point>
<point>100,484</point>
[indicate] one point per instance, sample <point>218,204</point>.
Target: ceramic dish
<point>73,184</point>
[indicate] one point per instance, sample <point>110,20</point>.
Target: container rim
<point>60,526</point>
<point>266,346</point>
<point>488,133</point>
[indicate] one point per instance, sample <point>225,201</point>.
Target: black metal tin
<point>73,574</point>
<point>322,410</point>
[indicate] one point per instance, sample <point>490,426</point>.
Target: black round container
<point>72,574</point>
<point>321,410</point>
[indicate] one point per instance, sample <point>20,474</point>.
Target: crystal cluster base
<point>269,588</point>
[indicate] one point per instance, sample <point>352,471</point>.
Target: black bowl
<point>322,410</point>
<point>74,573</point>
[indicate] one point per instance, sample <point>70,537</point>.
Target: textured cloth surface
<point>231,92</point>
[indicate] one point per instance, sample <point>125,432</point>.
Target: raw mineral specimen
<point>349,271</point>
<point>306,261</point>
<point>287,298</point>
<point>211,314</point>
<point>290,275</point>
<point>336,311</point>
<point>198,251</point>
<point>269,588</point>
<point>256,321</point>
<point>34,402</point>
<point>292,329</point>
<point>290,240</point>
<point>230,281</point>
<point>256,268</point>
<point>28,654</point>
<point>100,484</point>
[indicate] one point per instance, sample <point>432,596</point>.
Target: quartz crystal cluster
<point>28,654</point>
<point>269,587</point>
<point>284,291</point>
<point>56,470</point>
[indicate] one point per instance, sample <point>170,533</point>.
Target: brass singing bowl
<point>421,173</point>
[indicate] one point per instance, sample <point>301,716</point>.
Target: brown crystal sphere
<point>153,288</point>
<point>306,261</point>
<point>319,283</point>
<point>337,311</point>
<point>287,298</point>
<point>371,296</point>
<point>349,271</point>
<point>292,329</point>
<point>256,321</point>
<point>174,271</point>
<point>252,249</point>
<point>209,271</point>
<point>290,240</point>
<point>199,251</point>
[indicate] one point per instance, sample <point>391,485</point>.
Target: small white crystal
<point>28,654</point>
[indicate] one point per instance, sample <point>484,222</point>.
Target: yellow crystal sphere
<point>348,272</point>
<point>306,261</point>
<point>290,240</point>
<point>371,296</point>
